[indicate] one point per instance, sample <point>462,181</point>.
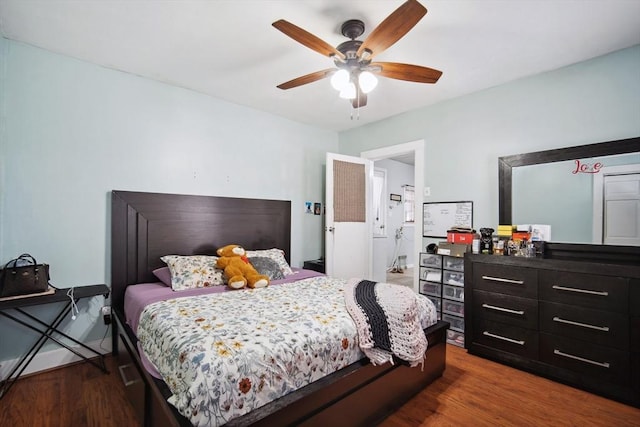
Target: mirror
<point>571,176</point>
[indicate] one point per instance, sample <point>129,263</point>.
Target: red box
<point>455,237</point>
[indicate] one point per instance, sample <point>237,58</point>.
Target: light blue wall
<point>589,102</point>
<point>4,46</point>
<point>73,131</point>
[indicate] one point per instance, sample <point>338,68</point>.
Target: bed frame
<point>146,226</point>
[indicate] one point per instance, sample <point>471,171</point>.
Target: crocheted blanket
<point>388,321</point>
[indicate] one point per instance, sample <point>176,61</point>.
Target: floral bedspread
<point>226,354</point>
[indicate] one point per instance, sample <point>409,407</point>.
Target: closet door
<point>622,210</point>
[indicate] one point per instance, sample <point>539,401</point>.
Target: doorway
<point>616,206</point>
<point>411,152</point>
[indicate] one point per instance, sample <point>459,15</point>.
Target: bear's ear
<point>219,251</point>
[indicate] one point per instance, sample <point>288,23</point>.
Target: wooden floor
<point>472,392</point>
<point>477,392</point>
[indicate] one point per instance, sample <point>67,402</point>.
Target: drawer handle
<point>500,279</point>
<point>582,291</point>
<point>506,310</point>
<point>584,325</point>
<point>126,382</point>
<point>582,359</point>
<point>489,334</point>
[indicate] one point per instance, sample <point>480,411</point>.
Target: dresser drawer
<point>598,362</point>
<point>587,290</point>
<point>516,311</point>
<point>505,279</point>
<point>594,326</point>
<point>509,338</point>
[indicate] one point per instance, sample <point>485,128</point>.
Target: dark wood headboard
<point>146,226</point>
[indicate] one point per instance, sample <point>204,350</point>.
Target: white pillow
<point>195,271</point>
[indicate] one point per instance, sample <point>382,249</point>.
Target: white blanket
<point>390,320</point>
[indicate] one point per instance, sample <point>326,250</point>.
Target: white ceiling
<point>228,48</point>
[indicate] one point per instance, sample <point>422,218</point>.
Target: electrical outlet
<point>106,314</point>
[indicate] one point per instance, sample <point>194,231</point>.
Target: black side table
<point>315,265</point>
<point>10,307</point>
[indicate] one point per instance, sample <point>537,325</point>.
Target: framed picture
<point>438,217</point>
<point>395,197</point>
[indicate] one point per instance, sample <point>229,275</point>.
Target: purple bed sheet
<point>138,296</point>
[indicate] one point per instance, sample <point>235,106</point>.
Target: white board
<point>439,217</point>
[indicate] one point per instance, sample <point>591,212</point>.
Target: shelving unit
<point>453,298</point>
<point>442,281</point>
<point>431,279</point>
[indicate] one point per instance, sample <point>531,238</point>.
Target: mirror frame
<point>507,163</point>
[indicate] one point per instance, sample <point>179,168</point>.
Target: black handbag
<point>23,276</point>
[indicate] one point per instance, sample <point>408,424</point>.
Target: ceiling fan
<point>354,70</point>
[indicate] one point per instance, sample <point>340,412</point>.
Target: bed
<point>147,226</point>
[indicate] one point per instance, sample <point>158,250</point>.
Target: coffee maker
<point>486,240</point>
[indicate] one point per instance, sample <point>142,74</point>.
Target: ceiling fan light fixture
<point>349,91</point>
<point>367,81</point>
<point>340,79</point>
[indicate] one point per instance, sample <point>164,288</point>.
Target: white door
<point>622,210</point>
<point>349,225</point>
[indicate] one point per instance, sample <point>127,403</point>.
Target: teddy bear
<point>238,270</point>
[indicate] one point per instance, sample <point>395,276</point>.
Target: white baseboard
<point>56,358</point>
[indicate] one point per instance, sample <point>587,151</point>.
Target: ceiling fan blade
<point>393,28</point>
<point>306,38</point>
<point>408,72</point>
<point>308,78</point>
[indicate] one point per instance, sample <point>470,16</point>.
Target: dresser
<point>572,321</point>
